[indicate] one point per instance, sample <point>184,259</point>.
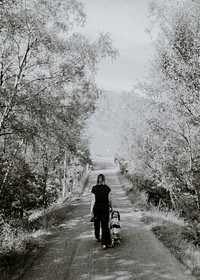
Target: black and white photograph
<point>99,140</point>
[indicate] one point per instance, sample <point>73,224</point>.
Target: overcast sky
<point>126,21</point>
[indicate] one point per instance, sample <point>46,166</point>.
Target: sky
<point>126,21</point>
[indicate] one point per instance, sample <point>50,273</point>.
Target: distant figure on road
<point>100,204</point>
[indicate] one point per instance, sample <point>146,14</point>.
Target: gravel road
<point>72,252</point>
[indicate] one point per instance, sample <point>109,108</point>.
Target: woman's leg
<point>106,239</point>
<point>97,229</point>
<point>97,212</point>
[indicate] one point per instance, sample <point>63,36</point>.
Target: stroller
<point>115,227</point>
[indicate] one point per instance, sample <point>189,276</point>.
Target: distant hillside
<point>101,128</point>
<point>105,127</point>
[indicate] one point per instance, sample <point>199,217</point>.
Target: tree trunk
<point>45,178</point>
<point>64,175</point>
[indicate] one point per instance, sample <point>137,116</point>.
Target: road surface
<point>73,254</point>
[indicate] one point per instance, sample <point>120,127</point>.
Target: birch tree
<point>47,84</point>
<point>174,89</point>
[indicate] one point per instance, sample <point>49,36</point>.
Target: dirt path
<point>72,253</point>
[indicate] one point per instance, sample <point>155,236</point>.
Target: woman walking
<point>101,201</point>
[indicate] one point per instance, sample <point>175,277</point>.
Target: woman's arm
<point>92,203</point>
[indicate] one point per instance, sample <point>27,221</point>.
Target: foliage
<point>12,239</point>
<point>47,92</point>
<point>162,144</point>
<point>137,196</point>
<point>16,247</point>
<point>21,240</point>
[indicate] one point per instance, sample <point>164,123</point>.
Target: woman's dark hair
<point>101,179</point>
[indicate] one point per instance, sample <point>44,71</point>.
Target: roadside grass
<point>17,247</point>
<point>23,241</point>
<point>180,237</point>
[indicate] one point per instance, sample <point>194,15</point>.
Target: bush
<point>12,239</point>
<point>137,197</point>
<point>16,246</point>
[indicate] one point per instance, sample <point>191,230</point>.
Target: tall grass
<point>180,237</point>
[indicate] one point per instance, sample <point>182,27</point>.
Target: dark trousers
<point>101,211</point>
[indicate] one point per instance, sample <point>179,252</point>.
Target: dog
<point>115,227</point>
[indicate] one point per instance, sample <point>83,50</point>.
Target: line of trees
<point>47,92</point>
<point>165,149</point>
<point>158,124</point>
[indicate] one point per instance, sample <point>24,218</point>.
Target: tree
<point>174,88</point>
<point>47,85</point>
<point>166,149</point>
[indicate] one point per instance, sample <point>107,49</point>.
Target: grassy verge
<point>22,242</point>
<point>181,238</point>
<point>13,261</point>
<point>20,247</point>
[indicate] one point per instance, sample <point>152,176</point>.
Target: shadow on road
<point>73,254</point>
